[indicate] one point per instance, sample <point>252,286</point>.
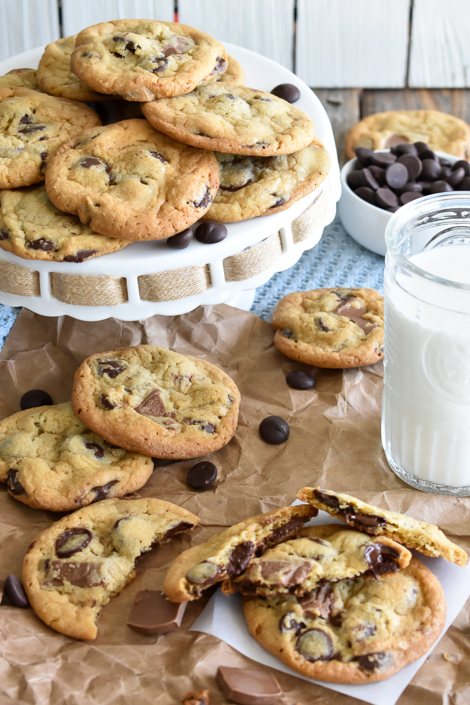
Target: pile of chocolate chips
<point>408,171</point>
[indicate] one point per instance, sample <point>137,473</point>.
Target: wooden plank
<point>455,101</point>
<point>78,14</point>
<point>25,24</point>
<point>265,26</point>
<point>440,48</point>
<point>343,108</point>
<point>352,43</point>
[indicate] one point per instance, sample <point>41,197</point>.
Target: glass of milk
<point>426,400</point>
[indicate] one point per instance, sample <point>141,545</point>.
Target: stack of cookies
<point>348,605</point>
<point>208,147</point>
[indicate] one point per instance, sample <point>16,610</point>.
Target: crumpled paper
<point>334,443</point>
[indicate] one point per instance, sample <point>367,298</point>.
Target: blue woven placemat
<point>337,260</point>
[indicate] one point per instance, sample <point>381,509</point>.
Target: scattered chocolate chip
<point>274,430</point>
<point>381,559</point>
<point>371,662</point>
<point>202,475</point>
<point>288,622</point>
<point>248,686</point>
<point>431,170</point>
<point>107,403</point>
<point>409,196</point>
<point>383,158</point>
<point>288,333</point>
<point>210,232</point>
<point>204,201</point>
<point>396,175</point>
<point>287,91</point>
<point>111,368</point>
<point>367,194</point>
<point>88,162</point>
<point>13,484</point>
<point>385,198</point>
<point>153,613</point>
<point>456,176</point>
<point>298,379</point>
<point>181,240</point>
<point>35,397</point>
<point>130,46</point>
<point>279,202</point>
<point>159,156</point>
<point>163,63</point>
<point>232,189</point>
<point>14,591</point>
<point>329,500</point>
<point>97,449</point>
<point>103,491</point>
<point>362,522</point>
<point>80,256</point>
<point>364,154</point>
<point>4,234</point>
<point>42,244</point>
<point>314,645</point>
<point>117,55</point>
<point>31,128</point>
<point>219,67</point>
<point>440,187</point>
<point>322,326</point>
<point>72,541</point>
<point>462,164</point>
<point>26,120</point>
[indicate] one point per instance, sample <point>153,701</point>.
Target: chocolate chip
<point>35,397</point>
<point>208,428</point>
<point>314,645</point>
<point>31,129</point>
<point>462,164</point>
<point>364,154</point>
<point>429,154</point>
<point>130,46</point>
<point>395,141</point>
<point>440,187</point>
<point>232,189</point>
<point>288,333</point>
<point>117,55</point>
<point>362,522</point>
<point>159,156</point>
<point>367,194</point>
<point>72,541</point>
<point>328,500</point>
<point>431,170</point>
<point>322,325</point>
<point>464,184</point>
<point>111,368</point>
<point>396,175</point>
<point>378,172</point>
<point>13,484</point>
<point>383,158</point>
<point>288,622</point>
<point>298,379</point>
<point>456,176</point>
<point>153,405</point>
<point>163,63</point>
<point>162,462</point>
<point>405,148</point>
<point>202,475</point>
<point>219,67</point>
<point>107,403</point>
<point>287,91</point>
<point>239,558</point>
<point>26,120</point>
<point>274,430</point>
<point>204,574</point>
<point>371,662</point>
<point>210,232</point>
<point>385,198</point>
<point>97,449</point>
<point>103,491</point>
<point>279,202</point>
<point>381,559</point>
<point>14,591</point>
<point>409,196</point>
<point>177,529</point>
<point>181,240</point>
<point>88,162</point>
<point>204,201</point>
<point>4,234</point>
<point>80,256</point>
<point>43,245</point>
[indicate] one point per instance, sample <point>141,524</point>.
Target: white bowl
<point>363,221</point>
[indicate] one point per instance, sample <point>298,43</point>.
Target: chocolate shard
<point>83,574</point>
<point>248,686</point>
<point>153,405</point>
<point>153,613</point>
<point>240,557</point>
<point>362,522</point>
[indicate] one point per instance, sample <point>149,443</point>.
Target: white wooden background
<point>328,43</point>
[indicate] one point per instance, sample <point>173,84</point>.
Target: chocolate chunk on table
<point>248,686</point>
<point>14,592</point>
<point>153,613</point>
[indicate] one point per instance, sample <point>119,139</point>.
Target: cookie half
<point>228,554</point>
<point>33,228</point>
<point>130,182</point>
<point>145,59</point>
<point>333,328</point>
<point>232,119</point>
<point>441,131</point>
<point>74,567</point>
<point>50,460</point>
<point>32,126</point>
<point>20,78</point>
<point>425,538</point>
<point>254,186</point>
<point>352,631</point>
<point>318,554</point>
<point>156,401</point>
<point>56,77</point>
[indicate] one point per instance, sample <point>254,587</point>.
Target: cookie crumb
<point>451,658</point>
<point>197,697</point>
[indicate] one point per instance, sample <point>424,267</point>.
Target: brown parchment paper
<point>334,442</point>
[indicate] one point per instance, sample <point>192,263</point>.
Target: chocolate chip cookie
<point>130,182</point>
<point>253,186</point>
<point>232,119</point>
<point>318,554</point>
<point>74,567</point>
<point>333,328</point>
<point>352,631</point>
<point>423,537</point>
<point>141,60</point>
<point>441,131</point>
<point>32,125</point>
<point>33,228</point>
<point>156,401</point>
<point>229,553</point>
<point>56,77</point>
<point>20,78</point>
<point>50,460</point>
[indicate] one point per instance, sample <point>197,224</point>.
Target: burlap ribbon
<point>102,290</point>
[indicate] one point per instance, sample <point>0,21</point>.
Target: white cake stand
<point>148,278</point>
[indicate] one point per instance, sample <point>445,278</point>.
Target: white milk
<point>426,402</point>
